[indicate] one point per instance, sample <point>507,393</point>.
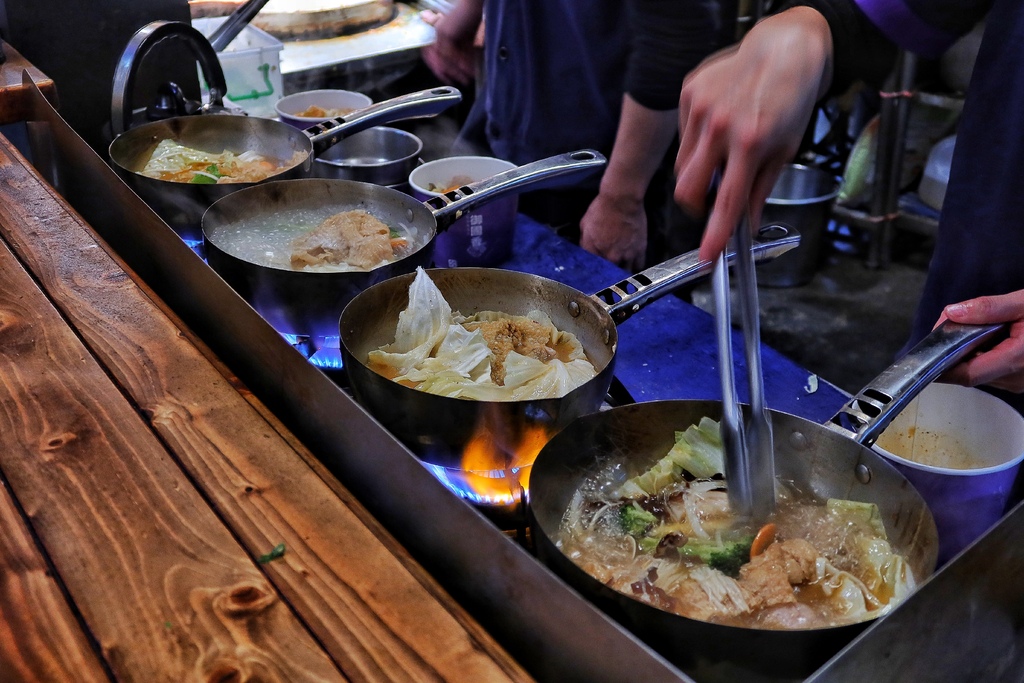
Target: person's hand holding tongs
<point>749,455</point>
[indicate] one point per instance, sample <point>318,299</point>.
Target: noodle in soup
<point>668,537</point>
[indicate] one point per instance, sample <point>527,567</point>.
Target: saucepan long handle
<point>550,172</point>
<point>868,413</point>
<point>625,298</point>
<point>417,105</point>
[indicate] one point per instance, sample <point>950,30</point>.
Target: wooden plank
<point>14,100</point>
<point>160,581</point>
<point>40,639</point>
<point>374,609</point>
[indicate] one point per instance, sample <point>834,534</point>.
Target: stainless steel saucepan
<point>827,461</point>
<point>305,302</point>
<point>182,204</point>
<point>438,428</point>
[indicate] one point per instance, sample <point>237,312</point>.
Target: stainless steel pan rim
<point>833,460</point>
<point>182,205</point>
<point>642,433</point>
<point>309,302</point>
<point>438,427</point>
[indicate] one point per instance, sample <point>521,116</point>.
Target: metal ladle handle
<point>144,40</point>
<point>233,25</point>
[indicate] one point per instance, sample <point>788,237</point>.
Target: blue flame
<point>454,480</point>
<point>328,354</point>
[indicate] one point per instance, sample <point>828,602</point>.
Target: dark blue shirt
<point>556,70</point>
<point>979,249</point>
<point>555,74</point>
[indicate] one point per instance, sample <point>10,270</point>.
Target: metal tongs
<point>749,455</point>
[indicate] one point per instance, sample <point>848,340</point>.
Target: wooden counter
<point>14,103</point>
<point>144,490</point>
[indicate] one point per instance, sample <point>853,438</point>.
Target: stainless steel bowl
<point>380,155</point>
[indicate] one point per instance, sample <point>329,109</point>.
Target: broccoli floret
<point>726,558</point>
<point>634,520</point>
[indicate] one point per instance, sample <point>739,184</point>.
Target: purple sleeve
<point>898,21</point>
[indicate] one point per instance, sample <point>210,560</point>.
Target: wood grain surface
<point>164,587</point>
<point>374,610</point>
<point>14,105</point>
<point>40,638</point>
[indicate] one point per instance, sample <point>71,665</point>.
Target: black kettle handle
<point>144,40</point>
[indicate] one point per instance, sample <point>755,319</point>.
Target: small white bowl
<point>290,106</point>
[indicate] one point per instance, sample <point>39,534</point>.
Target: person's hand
<point>616,228</point>
<point>1002,366</point>
<point>745,111</point>
<point>453,55</point>
<point>615,224</point>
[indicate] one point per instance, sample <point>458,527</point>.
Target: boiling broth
<point>669,539</point>
<point>266,239</point>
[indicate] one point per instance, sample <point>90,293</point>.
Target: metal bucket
<point>802,199</point>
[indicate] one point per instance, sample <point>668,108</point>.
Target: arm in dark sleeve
<point>669,38</point>
<point>859,49</point>
<point>865,32</point>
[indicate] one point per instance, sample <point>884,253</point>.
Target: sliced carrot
<point>762,540</point>
<point>398,242</point>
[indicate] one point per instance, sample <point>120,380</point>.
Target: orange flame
<point>498,470</point>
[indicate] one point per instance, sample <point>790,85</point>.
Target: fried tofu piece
<point>520,334</point>
<point>353,237</point>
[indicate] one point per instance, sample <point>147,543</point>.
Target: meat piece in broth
<point>768,579</point>
<point>353,237</point>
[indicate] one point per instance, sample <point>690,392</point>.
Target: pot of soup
<point>182,165</point>
<point>630,505</point>
<point>442,356</point>
<point>299,251</point>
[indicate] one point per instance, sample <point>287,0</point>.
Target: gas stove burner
<point>500,495</point>
<point>197,246</point>
<point>500,488</point>
<point>328,353</point>
<point>321,352</point>
<point>304,344</point>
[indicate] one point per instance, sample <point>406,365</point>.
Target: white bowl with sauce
<point>303,109</point>
<point>961,448</point>
<point>482,236</point>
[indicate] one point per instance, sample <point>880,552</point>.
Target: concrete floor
<point>849,321</point>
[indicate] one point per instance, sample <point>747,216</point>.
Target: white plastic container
<point>252,67</point>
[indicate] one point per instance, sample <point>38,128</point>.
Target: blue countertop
<point>668,349</point>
